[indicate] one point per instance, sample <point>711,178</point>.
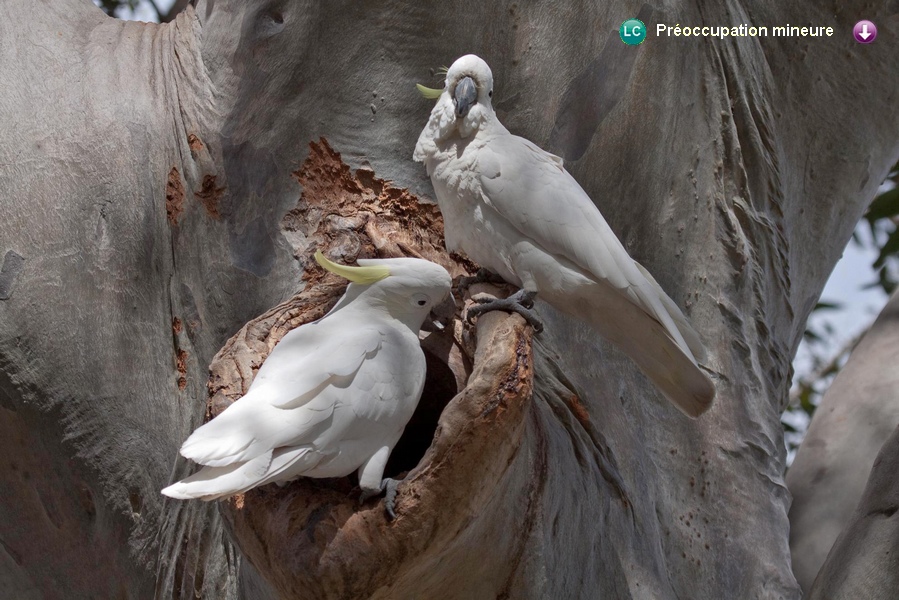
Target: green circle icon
<point>632,32</point>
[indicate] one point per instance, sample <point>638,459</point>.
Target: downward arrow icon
<point>864,32</point>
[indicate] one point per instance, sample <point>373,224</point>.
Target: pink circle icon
<point>864,32</point>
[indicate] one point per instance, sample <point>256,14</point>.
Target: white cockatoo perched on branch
<point>333,396</point>
<point>515,210</point>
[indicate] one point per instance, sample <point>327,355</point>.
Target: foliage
<point>882,218</point>
<point>164,11</point>
<point>112,7</point>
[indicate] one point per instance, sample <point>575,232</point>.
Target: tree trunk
<point>864,560</point>
<point>149,212</point>
<point>856,416</point>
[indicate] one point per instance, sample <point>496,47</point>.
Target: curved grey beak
<point>465,95</point>
<point>441,315</point>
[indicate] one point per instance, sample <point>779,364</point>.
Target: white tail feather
<point>670,366</point>
<point>212,483</point>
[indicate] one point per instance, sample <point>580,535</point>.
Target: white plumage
<point>515,210</point>
<point>333,396</point>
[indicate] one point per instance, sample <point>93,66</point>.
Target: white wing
<point>531,190</point>
<point>370,390</point>
<point>315,355</point>
<point>293,396</point>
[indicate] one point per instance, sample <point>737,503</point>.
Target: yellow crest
<point>363,275</point>
<point>429,93</point>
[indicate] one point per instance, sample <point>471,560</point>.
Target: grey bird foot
<point>482,276</point>
<point>388,488</point>
<point>520,302</point>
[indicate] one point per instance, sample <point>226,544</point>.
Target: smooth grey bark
<point>733,169</point>
<point>864,560</point>
<point>856,416</point>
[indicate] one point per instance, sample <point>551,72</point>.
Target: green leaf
<point>827,306</point>
<point>805,399</point>
<point>887,282</point>
<point>810,335</point>
<point>884,281</point>
<point>890,247</point>
<point>884,206</point>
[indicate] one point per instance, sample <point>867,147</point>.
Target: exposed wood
<point>310,539</point>
<point>731,168</point>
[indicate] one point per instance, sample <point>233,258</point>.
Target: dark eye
<point>490,93</point>
<point>420,300</point>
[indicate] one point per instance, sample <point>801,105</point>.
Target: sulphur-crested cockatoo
<point>515,210</point>
<point>333,396</point>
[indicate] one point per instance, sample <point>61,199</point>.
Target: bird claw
<point>482,276</point>
<point>390,497</point>
<point>388,488</point>
<point>521,302</point>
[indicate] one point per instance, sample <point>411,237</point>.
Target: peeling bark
<point>338,550</point>
<point>335,549</point>
<point>209,195</point>
<point>174,197</point>
<point>730,168</point>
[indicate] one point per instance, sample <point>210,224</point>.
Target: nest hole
<point>440,388</point>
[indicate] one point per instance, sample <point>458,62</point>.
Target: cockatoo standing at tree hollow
<point>333,396</point>
<point>514,209</point>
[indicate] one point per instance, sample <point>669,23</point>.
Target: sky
<point>859,307</point>
<point>144,10</point>
<point>845,286</point>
